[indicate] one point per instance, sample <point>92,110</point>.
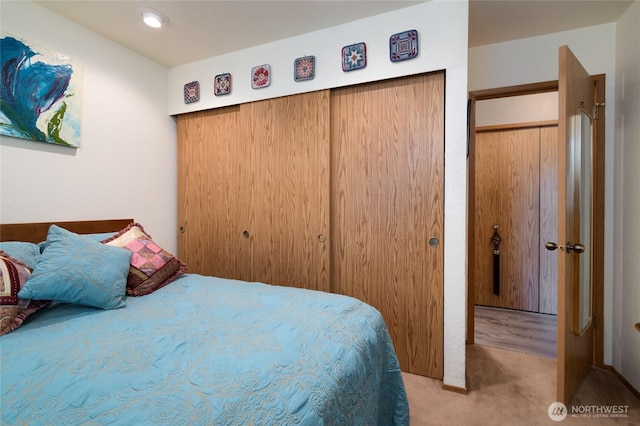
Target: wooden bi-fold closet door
<point>337,190</point>
<point>253,185</point>
<point>210,192</point>
<point>387,212</point>
<point>287,174</point>
<point>515,181</point>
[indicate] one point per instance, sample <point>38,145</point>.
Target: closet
<point>253,191</point>
<point>336,190</point>
<point>516,190</point>
<point>388,204</point>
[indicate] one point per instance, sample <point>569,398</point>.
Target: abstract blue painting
<point>40,93</point>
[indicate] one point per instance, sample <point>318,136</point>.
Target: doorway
<point>496,316</point>
<point>513,193</point>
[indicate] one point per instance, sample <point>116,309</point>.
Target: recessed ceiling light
<point>152,20</point>
<point>151,17</point>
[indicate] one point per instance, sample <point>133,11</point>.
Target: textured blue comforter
<point>205,351</point>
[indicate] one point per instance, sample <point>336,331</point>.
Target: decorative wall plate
<point>304,68</point>
<point>191,92</point>
<point>260,76</point>
<point>354,56</point>
<point>222,84</point>
<point>403,46</point>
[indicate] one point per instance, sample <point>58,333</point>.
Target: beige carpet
<point>513,388</point>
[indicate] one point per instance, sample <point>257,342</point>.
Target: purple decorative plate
<point>222,84</point>
<point>191,92</point>
<point>403,46</point>
<point>354,56</point>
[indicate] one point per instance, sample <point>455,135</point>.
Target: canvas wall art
<point>41,93</point>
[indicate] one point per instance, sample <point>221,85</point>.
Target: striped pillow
<point>13,311</point>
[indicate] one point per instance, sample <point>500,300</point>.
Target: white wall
<point>126,164</point>
<point>626,291</point>
<point>538,107</point>
<point>442,28</point>
<point>441,41</point>
<point>535,59</point>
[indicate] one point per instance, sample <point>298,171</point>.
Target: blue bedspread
<point>205,351</point>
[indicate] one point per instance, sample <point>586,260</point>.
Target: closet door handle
<point>578,248</point>
<point>246,234</point>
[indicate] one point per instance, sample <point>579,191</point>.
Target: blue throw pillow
<point>27,253</point>
<point>95,237</point>
<point>76,269</point>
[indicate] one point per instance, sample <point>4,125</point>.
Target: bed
<point>196,350</point>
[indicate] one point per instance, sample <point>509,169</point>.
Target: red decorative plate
<point>260,76</point>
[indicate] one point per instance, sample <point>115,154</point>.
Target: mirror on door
<point>583,179</point>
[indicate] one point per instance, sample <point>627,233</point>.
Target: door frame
<point>599,198</point>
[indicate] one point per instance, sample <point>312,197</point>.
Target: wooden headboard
<point>36,232</point>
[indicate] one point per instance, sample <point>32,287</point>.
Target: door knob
<point>578,248</point>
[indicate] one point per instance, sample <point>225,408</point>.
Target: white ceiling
<point>202,29</point>
<point>493,21</point>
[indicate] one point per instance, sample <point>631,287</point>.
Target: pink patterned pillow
<point>151,266</point>
<point>13,311</point>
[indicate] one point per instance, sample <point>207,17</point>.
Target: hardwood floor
<point>519,331</point>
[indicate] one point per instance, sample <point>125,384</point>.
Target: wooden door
<point>507,194</point>
<point>575,347</point>
<point>210,157</point>
<point>387,165</point>
<point>287,174</point>
<point>253,191</point>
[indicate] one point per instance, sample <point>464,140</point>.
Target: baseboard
<point>454,389</point>
<point>624,381</point>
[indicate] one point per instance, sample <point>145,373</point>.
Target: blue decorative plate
<point>191,92</point>
<point>354,56</point>
<point>304,68</point>
<point>403,46</point>
<point>222,84</point>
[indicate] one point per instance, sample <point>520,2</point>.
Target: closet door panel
<point>209,158</point>
<point>522,202</point>
<point>387,188</point>
<point>548,219</point>
<point>289,169</point>
<point>507,195</point>
<point>488,205</point>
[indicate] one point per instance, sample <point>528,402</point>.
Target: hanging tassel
<point>495,242</point>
